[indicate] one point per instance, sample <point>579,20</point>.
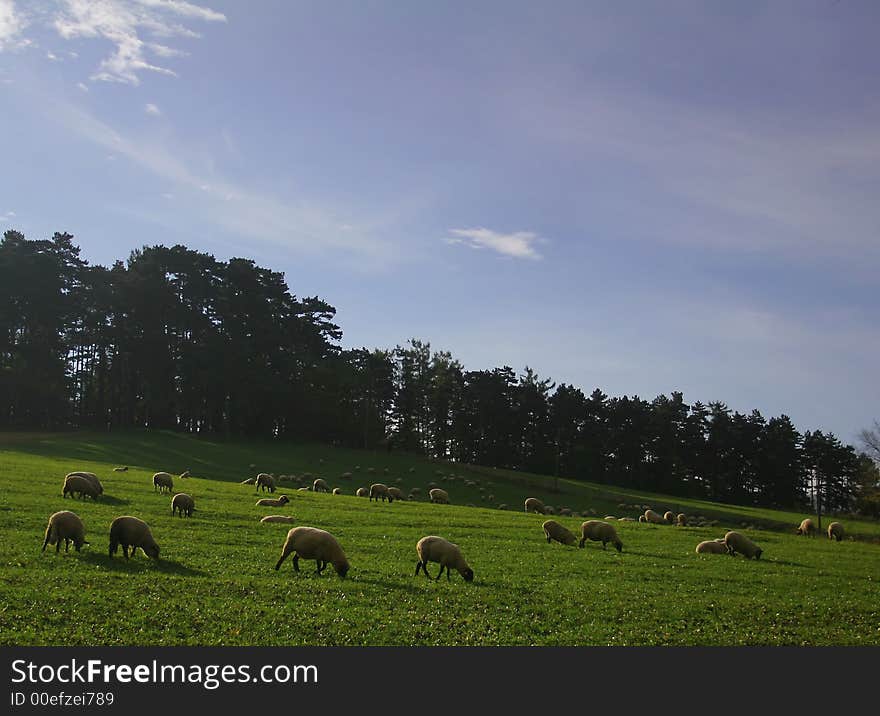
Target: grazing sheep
<point>304,489</point>
<point>437,549</point>
<point>273,502</point>
<point>681,519</point>
<point>249,481</point>
<point>79,485</point>
<point>184,504</point>
<point>345,476</point>
<point>669,517</point>
<point>549,510</point>
<point>123,468</point>
<point>163,482</point>
<point>738,542</point>
<point>264,481</point>
<point>565,511</point>
<point>396,493</point>
<point>716,546</point>
<point>371,470</point>
<point>132,532</point>
<point>91,477</point>
<point>836,531</point>
<point>642,518</point>
<point>66,526</point>
<point>363,492</point>
<point>654,518</point>
<point>807,527</point>
<point>337,491</point>
<point>438,496</point>
<point>312,543</point>
<point>320,486</point>
<point>379,490</point>
<point>555,531</point>
<point>596,530</point>
<point>278,518</point>
<point>184,474</point>
<point>610,517</point>
<point>626,519</point>
<point>533,504</point>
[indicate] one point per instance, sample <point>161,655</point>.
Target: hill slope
<point>215,583</point>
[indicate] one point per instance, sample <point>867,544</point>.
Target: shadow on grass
<point>139,564</point>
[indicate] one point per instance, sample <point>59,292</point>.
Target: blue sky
<point>641,197</point>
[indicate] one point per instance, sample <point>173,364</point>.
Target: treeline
<point>175,339</point>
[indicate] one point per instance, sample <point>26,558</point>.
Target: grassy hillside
<point>215,583</point>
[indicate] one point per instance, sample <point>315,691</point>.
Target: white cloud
<point>83,87</point>
<point>7,217</point>
<point>152,109</point>
<point>126,24</point>
<point>52,56</point>
<point>11,25</point>
<point>518,245</point>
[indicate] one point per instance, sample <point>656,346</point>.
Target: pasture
<point>215,583</point>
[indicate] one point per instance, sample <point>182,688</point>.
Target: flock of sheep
<point>311,543</point>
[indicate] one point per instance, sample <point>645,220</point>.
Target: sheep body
<point>91,477</point>
<point>249,481</point>
<point>669,517</point>
<point>379,491</point>
<point>533,504</point>
<point>681,519</point>
<point>320,486</point>
<point>273,501</point>
<point>807,528</point>
<point>363,492</point>
<point>183,504</point>
<point>555,531</point>
<point>317,544</point>
<point>836,531</point>
<point>654,518</point>
<point>738,542</point>
<point>163,482</point>
<point>67,526</point>
<point>396,493</point>
<point>598,531</point>
<point>438,496</point>
<point>123,468</point>
<point>337,491</point>
<point>132,532</point>
<point>715,546</point>
<point>446,553</point>
<point>277,518</point>
<point>79,485</point>
<point>265,481</point>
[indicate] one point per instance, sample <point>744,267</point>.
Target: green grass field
<point>215,583</point>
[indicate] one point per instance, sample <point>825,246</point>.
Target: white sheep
<point>555,531</point>
<point>265,481</point>
<point>183,504</point>
<point>738,542</point>
<point>716,546</point>
<point>273,502</point>
<point>533,504</point>
<point>447,554</point>
<point>65,526</point>
<point>278,518</point>
<point>132,532</point>
<point>438,496</point>
<point>320,486</point>
<point>79,485</point>
<point>807,527</point>
<point>91,477</point>
<point>317,544</point>
<point>596,531</point>
<point>396,493</point>
<point>363,492</point>
<point>163,482</point>
<point>836,531</point>
<point>654,518</point>
<point>379,491</point>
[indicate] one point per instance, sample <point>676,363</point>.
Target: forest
<point>174,339</point>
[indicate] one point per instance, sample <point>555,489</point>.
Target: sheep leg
<point>581,543</point>
<point>296,563</point>
<point>125,551</point>
<point>441,571</point>
<point>321,565</point>
<point>66,544</point>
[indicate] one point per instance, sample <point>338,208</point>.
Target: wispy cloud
<point>82,86</point>
<point>296,224</point>
<point>7,217</point>
<point>519,244</point>
<point>11,25</point>
<point>129,25</point>
<point>152,109</point>
<point>52,56</point>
